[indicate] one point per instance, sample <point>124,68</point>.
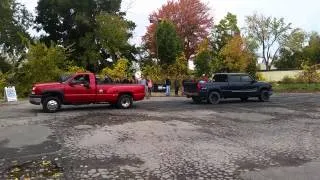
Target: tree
<point>168,43</point>
<point>3,82</point>
<point>312,51</point>
<point>179,69</point>
<point>112,32</point>
<point>15,21</point>
<point>269,33</point>
<point>75,24</point>
<point>288,59</point>
<point>221,34</point>
<point>291,54</point>
<point>118,71</point>
<point>4,65</point>
<point>44,64</point>
<point>192,19</point>
<point>224,32</point>
<point>66,21</point>
<point>236,55</point>
<point>154,71</point>
<point>203,59</point>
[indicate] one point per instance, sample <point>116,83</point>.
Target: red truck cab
<point>85,88</point>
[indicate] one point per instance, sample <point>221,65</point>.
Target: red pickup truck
<point>85,88</point>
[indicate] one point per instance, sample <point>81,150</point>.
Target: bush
<point>3,79</point>
<point>154,72</point>
<point>118,71</point>
<point>288,80</point>
<point>309,74</point>
<point>297,87</point>
<point>259,77</point>
<point>75,69</point>
<point>179,69</point>
<point>43,65</point>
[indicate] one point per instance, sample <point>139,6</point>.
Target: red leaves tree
<point>192,19</point>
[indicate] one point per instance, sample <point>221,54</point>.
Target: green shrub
<point>309,74</point>
<point>75,69</point>
<point>155,72</point>
<point>3,79</point>
<point>259,77</point>
<point>296,87</point>
<point>118,71</point>
<point>287,80</point>
<point>43,65</point>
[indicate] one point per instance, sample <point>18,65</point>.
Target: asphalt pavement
<point>164,138</point>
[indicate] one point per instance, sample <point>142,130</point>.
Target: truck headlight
<point>33,90</point>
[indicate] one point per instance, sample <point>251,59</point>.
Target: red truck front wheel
<point>51,104</point>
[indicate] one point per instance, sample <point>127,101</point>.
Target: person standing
<point>176,87</point>
<point>150,85</point>
<point>144,82</point>
<point>182,87</point>
<point>205,78</point>
<point>168,84</point>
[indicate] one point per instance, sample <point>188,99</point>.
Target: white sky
<point>301,13</point>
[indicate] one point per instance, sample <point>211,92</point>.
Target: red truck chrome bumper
<point>35,99</point>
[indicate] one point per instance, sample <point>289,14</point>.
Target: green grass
<point>296,87</point>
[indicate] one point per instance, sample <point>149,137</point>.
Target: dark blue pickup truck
<point>227,85</point>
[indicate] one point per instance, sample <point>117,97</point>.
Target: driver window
<point>81,79</point>
<point>246,79</point>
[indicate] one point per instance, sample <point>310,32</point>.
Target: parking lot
<point>164,138</point>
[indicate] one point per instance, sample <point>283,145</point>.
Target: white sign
<point>138,75</point>
<point>10,94</point>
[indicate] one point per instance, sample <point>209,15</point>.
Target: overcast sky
<point>301,13</point>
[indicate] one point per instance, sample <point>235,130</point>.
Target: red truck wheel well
<point>125,93</point>
<point>52,94</point>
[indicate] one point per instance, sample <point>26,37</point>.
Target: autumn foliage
<point>237,56</point>
<point>192,20</point>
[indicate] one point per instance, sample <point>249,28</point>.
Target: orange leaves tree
<point>237,56</point>
<point>192,20</point>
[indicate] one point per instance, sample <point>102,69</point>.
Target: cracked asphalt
<point>164,138</point>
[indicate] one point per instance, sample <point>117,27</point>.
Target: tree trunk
<point>267,65</point>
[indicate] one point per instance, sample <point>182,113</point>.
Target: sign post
<point>10,94</point>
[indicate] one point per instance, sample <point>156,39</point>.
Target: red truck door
<point>81,89</point>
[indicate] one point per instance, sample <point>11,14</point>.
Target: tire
<point>214,98</point>
<point>196,100</point>
<point>264,96</point>
<point>244,99</point>
<point>125,102</point>
<point>51,104</point>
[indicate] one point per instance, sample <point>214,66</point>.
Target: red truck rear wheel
<point>125,101</point>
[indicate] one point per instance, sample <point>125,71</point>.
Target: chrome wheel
<point>125,102</point>
<point>52,105</point>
